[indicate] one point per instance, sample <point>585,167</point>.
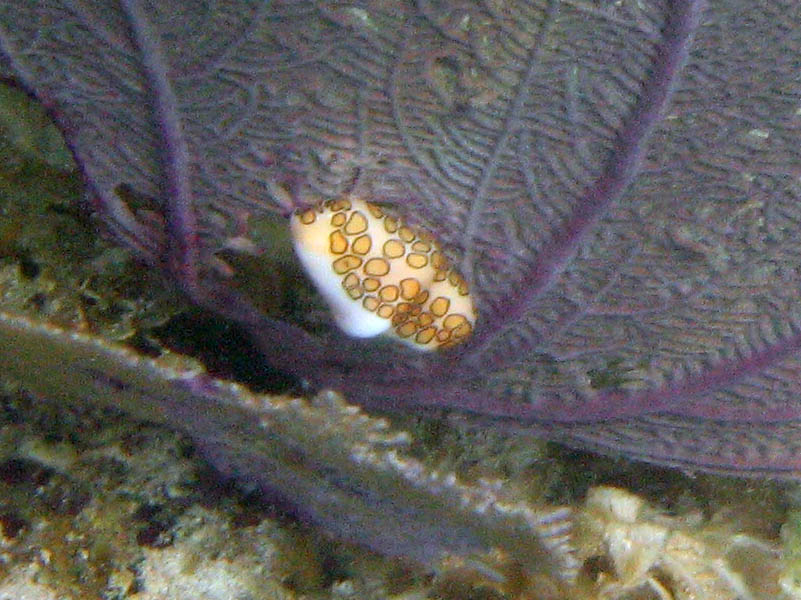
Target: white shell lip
<point>350,316</point>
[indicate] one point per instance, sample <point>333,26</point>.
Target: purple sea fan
<point>618,182</point>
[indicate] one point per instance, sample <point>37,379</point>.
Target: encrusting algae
<point>348,472</point>
<point>380,275</point>
<point>353,475</point>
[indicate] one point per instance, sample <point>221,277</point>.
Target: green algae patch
<point>28,134</point>
<point>54,263</point>
<point>791,538</point>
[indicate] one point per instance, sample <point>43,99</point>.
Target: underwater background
<point>96,503</point>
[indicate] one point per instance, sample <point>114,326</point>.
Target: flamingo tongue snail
<point>379,275</point>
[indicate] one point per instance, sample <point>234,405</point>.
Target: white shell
<point>311,247</point>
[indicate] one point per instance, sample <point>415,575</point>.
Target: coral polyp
<point>379,275</point>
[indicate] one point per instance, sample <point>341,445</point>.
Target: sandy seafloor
<point>94,504</point>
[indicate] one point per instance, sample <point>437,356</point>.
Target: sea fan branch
<point>619,172</point>
<point>181,221</point>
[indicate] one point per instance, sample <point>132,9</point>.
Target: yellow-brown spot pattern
<point>339,243</point>
<point>397,272</point>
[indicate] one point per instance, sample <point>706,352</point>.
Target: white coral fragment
<point>652,556</point>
